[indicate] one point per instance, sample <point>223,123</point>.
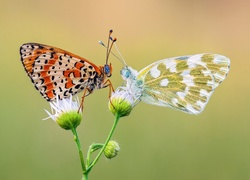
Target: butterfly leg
<point>85,93</point>
<point>111,88</point>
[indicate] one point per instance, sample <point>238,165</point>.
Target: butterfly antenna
<point>108,48</point>
<point>122,59</point>
<point>112,40</point>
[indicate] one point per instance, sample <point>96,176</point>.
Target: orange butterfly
<point>57,73</point>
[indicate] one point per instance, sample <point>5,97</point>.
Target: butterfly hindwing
<point>56,72</point>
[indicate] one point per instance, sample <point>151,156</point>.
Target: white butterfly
<point>184,83</point>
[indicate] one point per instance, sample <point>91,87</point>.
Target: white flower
<point>65,112</point>
<point>122,102</point>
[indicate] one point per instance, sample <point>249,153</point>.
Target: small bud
<point>111,149</point>
<point>121,102</point>
<point>65,113</point>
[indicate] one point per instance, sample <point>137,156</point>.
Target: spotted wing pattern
<point>58,73</point>
<point>185,83</point>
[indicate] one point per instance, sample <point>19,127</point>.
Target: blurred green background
<point>156,143</point>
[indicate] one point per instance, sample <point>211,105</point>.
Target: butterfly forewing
<point>184,83</point>
<point>56,72</point>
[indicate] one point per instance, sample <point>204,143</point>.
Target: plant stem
<point>80,152</point>
<point>92,148</point>
<point>85,176</point>
<point>105,144</point>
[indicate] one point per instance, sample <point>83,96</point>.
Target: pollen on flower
<point>65,113</point>
<point>121,102</point>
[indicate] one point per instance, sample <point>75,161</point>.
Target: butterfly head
<point>107,70</point>
<point>128,73</point>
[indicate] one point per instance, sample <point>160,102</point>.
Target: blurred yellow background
<point>156,143</point>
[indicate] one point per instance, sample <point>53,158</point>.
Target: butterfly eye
<point>128,73</point>
<point>107,70</point>
<point>125,72</point>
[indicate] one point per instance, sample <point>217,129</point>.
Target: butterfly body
<point>184,83</point>
<point>57,73</point>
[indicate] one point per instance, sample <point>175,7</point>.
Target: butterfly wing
<point>56,72</point>
<point>185,83</point>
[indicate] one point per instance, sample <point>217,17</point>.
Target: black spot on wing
<point>78,86</point>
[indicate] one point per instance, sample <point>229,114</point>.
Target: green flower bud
<point>121,103</point>
<point>65,113</point>
<point>111,149</point>
<point>69,120</point>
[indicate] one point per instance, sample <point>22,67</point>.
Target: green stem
<point>80,152</point>
<point>105,144</point>
<point>85,176</point>
<point>92,148</point>
<point>88,155</point>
